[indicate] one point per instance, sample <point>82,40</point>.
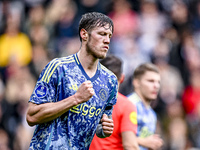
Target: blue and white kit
<point>76,128</point>
<point>146,118</point>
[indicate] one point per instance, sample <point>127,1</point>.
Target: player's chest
<point>146,121</point>
<point>70,83</point>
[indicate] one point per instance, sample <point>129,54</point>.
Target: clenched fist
<point>107,125</point>
<point>84,92</point>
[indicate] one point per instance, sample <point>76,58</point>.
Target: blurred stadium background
<point>165,32</point>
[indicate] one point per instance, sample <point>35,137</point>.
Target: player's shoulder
<point>122,97</point>
<point>54,65</point>
<point>135,99</point>
<point>61,60</point>
<point>123,100</point>
<point>105,69</point>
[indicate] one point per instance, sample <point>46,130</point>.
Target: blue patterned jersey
<point>146,118</point>
<point>74,129</point>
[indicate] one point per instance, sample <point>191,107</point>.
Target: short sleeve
<point>129,118</point>
<point>45,88</point>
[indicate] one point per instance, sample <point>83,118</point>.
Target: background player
<point>74,92</point>
<point>146,83</point>
<point>124,116</point>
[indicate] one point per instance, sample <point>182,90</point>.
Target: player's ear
<point>135,83</point>
<point>84,34</point>
<point>121,79</point>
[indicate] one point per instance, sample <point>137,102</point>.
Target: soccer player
<point>124,117</point>
<point>146,83</point>
<point>74,95</point>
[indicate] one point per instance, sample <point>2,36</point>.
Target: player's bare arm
<point>153,142</point>
<point>129,141</point>
<point>46,112</point>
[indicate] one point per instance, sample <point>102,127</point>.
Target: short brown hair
<point>143,68</point>
<point>94,19</point>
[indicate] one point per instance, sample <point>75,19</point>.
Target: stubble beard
<point>90,50</point>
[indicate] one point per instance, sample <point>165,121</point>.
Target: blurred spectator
<point>18,89</point>
<point>195,20</point>
<point>127,49</point>
<point>65,24</point>
<point>191,53</point>
<point>191,95</point>
<point>71,46</point>
<point>171,121</point>
<point>191,105</point>
<point>166,6</point>
<point>177,140</point>
<point>180,16</point>
<point>172,87</point>
<point>1,17</point>
<point>32,3</point>
<point>15,46</point>
<point>4,140</point>
<point>92,5</point>
<point>39,35</point>
<point>152,24</point>
<point>39,60</point>
<point>22,142</point>
<point>54,10</point>
<point>19,77</point>
<point>60,21</point>
<point>187,59</point>
<point>2,91</point>
<point>172,36</point>
<point>65,28</point>
<point>124,19</point>
<point>35,16</point>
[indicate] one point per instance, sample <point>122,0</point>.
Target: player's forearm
<point>46,112</point>
<point>142,142</point>
<point>129,140</point>
<point>130,147</point>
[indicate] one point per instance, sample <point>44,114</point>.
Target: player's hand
<point>107,125</point>
<point>155,142</point>
<point>84,92</point>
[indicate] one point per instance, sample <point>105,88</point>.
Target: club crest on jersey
<point>41,91</point>
<point>103,94</point>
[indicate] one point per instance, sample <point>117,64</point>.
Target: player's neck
<point>88,62</point>
<point>145,102</point>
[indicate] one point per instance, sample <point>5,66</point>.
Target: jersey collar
<point>83,71</point>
